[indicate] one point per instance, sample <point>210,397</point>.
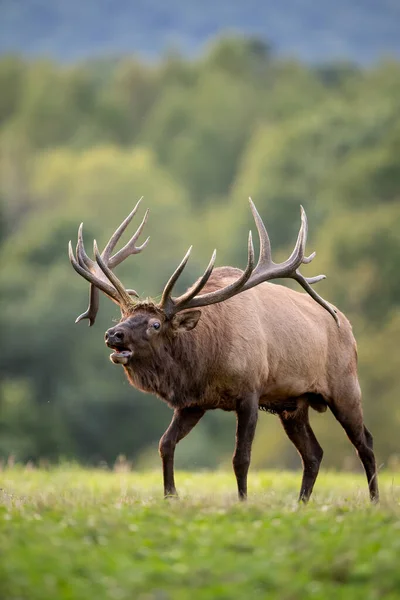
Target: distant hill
<point>313,31</point>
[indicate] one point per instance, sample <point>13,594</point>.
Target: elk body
<point>254,345</point>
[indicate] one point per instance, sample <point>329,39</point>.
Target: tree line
<point>195,137</point>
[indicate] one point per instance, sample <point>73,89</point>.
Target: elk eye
<point>156,325</point>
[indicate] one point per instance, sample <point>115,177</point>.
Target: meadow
<point>69,533</point>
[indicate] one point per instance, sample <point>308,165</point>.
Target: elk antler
<point>265,270</point>
<point>99,273</point>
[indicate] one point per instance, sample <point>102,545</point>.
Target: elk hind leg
<point>298,429</point>
<point>349,414</point>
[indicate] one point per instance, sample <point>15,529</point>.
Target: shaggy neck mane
<point>181,370</point>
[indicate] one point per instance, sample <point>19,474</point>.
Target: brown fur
<point>269,347</point>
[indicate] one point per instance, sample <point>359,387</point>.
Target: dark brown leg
<point>368,438</point>
<point>299,431</point>
<point>247,414</point>
<point>182,423</point>
<point>351,420</point>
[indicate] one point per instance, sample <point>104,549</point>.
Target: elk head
<point>146,327</point>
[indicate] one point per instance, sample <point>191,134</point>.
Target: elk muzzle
<point>115,338</point>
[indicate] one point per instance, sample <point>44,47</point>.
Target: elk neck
<point>182,369</point>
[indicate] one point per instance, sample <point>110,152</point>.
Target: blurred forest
<point>194,137</point>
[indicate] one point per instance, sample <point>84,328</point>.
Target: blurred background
<point>194,106</point>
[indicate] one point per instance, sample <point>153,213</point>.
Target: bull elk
<point>254,345</point>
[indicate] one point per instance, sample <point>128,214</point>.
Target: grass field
<point>75,534</point>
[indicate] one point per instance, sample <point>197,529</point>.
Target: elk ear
<point>186,321</point>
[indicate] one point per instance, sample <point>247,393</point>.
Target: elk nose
<point>114,335</point>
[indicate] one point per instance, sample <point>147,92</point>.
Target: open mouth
<point>120,356</point>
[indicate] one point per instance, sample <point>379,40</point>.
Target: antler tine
<point>191,293</point>
<point>84,260</point>
<point>91,311</point>
<point>133,293</point>
<point>265,244</point>
<point>316,279</point>
<point>81,255</point>
<point>308,259</point>
<point>118,232</point>
<point>297,256</point>
<point>102,285</point>
<point>130,247</point>
<point>232,289</point>
<point>305,283</point>
<point>218,295</point>
<point>166,295</point>
<point>123,294</point>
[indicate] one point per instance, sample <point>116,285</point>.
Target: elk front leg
<point>247,414</point>
<point>182,423</point>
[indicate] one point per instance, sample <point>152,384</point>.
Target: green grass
<point>75,534</point>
